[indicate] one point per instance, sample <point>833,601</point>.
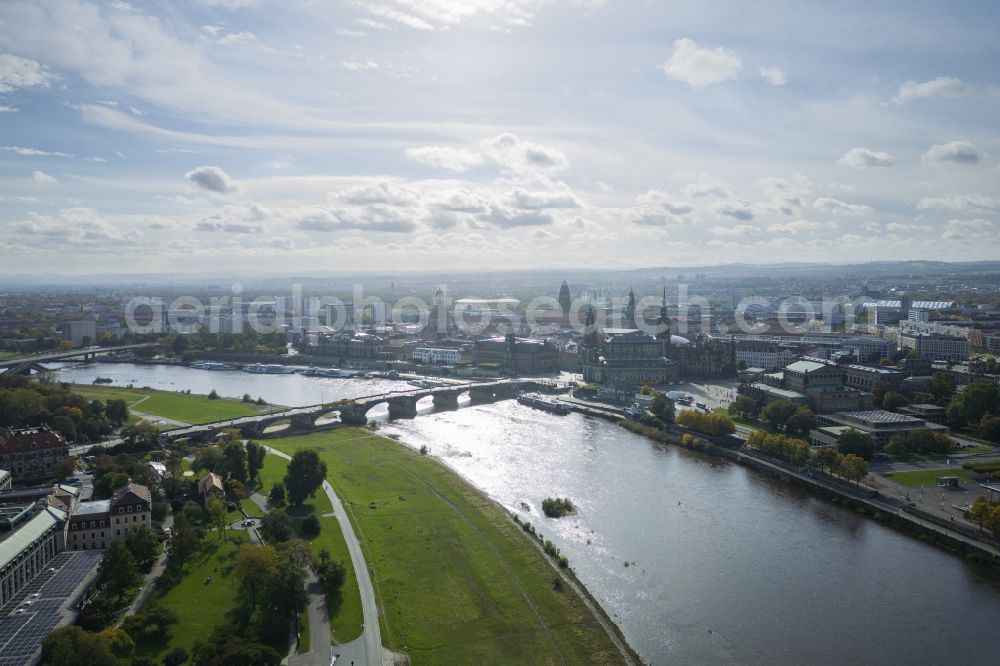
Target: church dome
<point>678,340</point>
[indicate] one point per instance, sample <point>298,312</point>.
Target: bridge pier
<point>480,394</point>
<point>303,422</point>
<point>353,415</point>
<point>446,400</point>
<point>403,407</point>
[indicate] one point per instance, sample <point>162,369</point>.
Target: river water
<point>725,564</point>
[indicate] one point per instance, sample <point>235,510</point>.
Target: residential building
<point>764,354</point>
<point>937,347</point>
<point>211,484</point>
<point>97,524</point>
<point>81,332</point>
<point>437,355</point>
<point>32,453</point>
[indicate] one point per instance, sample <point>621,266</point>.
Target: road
<point>367,650</point>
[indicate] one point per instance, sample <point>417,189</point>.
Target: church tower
<point>565,300</point>
<point>663,325</point>
<point>629,319</point>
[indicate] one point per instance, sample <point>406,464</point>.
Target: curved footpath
<point>366,650</point>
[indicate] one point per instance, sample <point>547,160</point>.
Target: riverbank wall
<point>887,510</point>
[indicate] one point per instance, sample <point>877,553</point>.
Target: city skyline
<point>236,134</point>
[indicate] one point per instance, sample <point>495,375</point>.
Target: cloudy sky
<point>303,135</point>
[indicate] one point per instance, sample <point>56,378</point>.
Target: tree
<point>853,467</point>
<point>209,459</point>
<point>980,511</point>
<point>66,467</point>
<point>213,395</point>
<point>117,411</point>
<point>255,459</point>
<point>745,406</point>
<point>310,526</point>
<point>277,495</point>
<point>179,344</point>
<point>801,422</point>
<point>941,387</point>
<point>176,657</point>
<point>855,442</point>
<point>892,401</point>
<point>285,589</point>
<point>331,573</point>
<point>142,543</point>
<point>184,539</point>
<point>253,564</point>
<point>275,525</point>
<point>235,466</point>
<point>741,365</point>
<point>825,458</point>
<point>989,428</point>
<point>119,642</point>
<point>777,414</point>
<point>305,475</point>
<point>662,408</point>
<point>118,570</point>
<point>974,401</point>
<point>216,508</point>
<point>152,621</point>
<point>66,645</point>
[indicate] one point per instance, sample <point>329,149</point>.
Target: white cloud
<point>33,152</point>
<point>237,38</point>
<point>17,72</point>
<point>283,162</point>
<point>859,158</point>
<point>443,157</point>
<point>701,67</point>
<point>736,230</point>
<point>966,229</point>
<point>773,75</point>
<point>838,207</point>
<point>964,202</point>
<point>212,30</point>
<point>662,199</point>
<point>229,4</point>
<point>738,210</point>
<point>359,66</point>
<point>515,154</point>
<point>7,109</point>
<point>695,190</point>
<point>381,192</point>
<point>957,152</point>
<point>346,32</point>
<point>408,20</point>
<point>800,227</point>
<point>526,200</point>
<point>942,86</point>
<point>43,178</point>
<point>211,178</point>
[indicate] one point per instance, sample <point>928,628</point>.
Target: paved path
<point>371,639</point>
<point>149,580</point>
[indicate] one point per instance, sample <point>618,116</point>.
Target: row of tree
<point>986,513</point>
<point>709,424</point>
<point>848,465</point>
<point>24,402</point>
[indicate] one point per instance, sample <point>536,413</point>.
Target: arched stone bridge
<point>402,404</point>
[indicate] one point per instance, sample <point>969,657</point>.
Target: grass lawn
<point>345,606</point>
<point>200,607</point>
<point>457,581</point>
<point>927,477</point>
<point>178,406</point>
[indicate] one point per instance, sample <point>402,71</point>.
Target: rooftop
<point>93,508</point>
<point>805,366</point>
